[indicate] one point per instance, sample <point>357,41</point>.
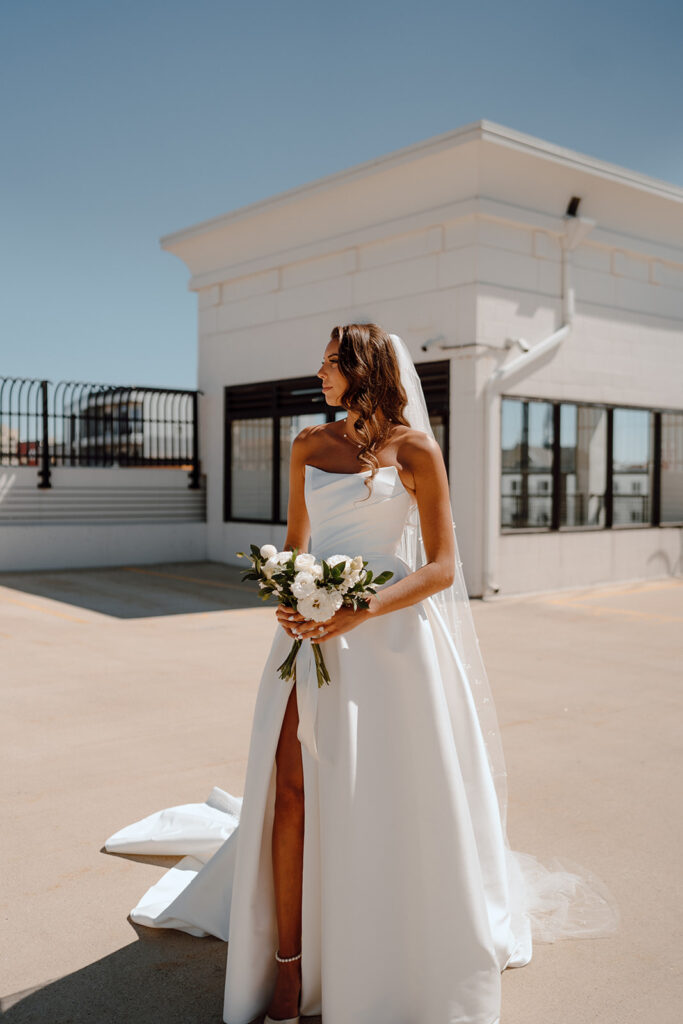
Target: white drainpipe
<point>576,228</point>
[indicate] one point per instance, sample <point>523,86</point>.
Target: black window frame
<point>300,396</point>
<point>655,427</point>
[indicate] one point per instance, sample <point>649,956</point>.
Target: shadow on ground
<point>141,591</point>
<point>166,977</point>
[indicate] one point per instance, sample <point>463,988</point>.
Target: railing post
<point>44,471</point>
<point>194,473</point>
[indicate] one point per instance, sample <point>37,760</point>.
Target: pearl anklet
<point>286,959</point>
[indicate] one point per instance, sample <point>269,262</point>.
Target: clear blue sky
<point>124,121</point>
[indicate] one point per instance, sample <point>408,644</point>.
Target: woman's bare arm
<point>298,522</point>
<point>422,456</point>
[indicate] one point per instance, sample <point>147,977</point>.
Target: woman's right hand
<point>287,618</point>
<point>293,622</point>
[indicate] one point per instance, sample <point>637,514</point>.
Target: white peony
<point>303,584</point>
<point>268,550</point>
<point>320,605</point>
<point>304,561</point>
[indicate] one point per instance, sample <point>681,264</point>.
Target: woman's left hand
<point>342,621</point>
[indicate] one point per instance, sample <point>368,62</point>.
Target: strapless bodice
<point>346,519</point>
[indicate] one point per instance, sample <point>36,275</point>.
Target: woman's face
<point>333,381</point>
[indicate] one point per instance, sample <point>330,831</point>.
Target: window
<point>632,466</point>
<point>583,465</point>
<point>569,465</point>
<point>261,422</point>
<point>251,468</point>
<point>671,464</point>
<point>527,463</point>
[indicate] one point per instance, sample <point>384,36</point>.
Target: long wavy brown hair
<point>367,360</point>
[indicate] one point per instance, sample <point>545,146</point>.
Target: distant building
<point>541,293</point>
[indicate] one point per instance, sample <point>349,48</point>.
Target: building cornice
<point>482,130</point>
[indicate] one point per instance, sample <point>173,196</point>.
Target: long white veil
<point>559,903</point>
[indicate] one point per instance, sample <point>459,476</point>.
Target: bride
<point>367,874</point>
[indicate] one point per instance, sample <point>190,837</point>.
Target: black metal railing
<point>81,424</point>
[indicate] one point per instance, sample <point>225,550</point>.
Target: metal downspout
<point>576,228</point>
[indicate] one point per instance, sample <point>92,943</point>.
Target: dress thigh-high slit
<point>288,831</point>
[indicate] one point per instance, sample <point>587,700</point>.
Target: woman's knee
<point>289,792</point>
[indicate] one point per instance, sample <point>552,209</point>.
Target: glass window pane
<point>583,465</point>
<point>672,468</point>
<point>290,426</point>
<point>540,465</point>
<point>512,432</point>
<point>251,453</point>
<point>526,463</point>
<point>632,466</point>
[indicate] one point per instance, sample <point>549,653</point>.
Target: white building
<point>541,291</point>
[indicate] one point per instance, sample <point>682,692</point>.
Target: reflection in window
<point>583,465</point>
<point>527,463</point>
<point>251,468</point>
<point>290,426</point>
<point>632,463</point>
<point>671,510</point>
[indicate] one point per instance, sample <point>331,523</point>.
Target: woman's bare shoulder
<point>416,448</point>
<point>310,440</point>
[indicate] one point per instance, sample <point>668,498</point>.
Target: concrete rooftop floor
<point>128,690</point>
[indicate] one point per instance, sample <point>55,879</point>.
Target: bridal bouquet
<point>315,589</point>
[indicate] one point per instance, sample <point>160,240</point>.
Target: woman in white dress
<point>365,379</point>
<point>367,874</point>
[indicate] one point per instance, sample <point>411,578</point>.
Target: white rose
<point>357,562</point>
<point>282,557</point>
<point>303,584</point>
<point>316,571</point>
<point>335,559</point>
<point>304,561</point>
<point>320,605</point>
<point>268,550</point>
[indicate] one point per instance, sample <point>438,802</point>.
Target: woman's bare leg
<point>288,856</point>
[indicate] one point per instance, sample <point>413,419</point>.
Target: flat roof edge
<point>477,130</point>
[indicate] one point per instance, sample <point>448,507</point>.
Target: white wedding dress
<point>412,902</point>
